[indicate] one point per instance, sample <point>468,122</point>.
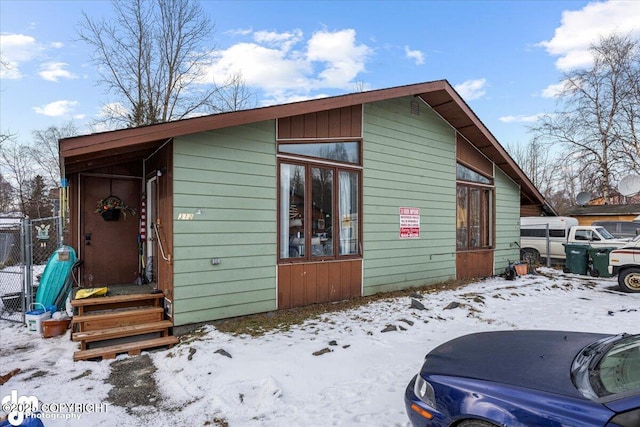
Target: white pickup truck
<point>534,242</point>
<point>625,262</point>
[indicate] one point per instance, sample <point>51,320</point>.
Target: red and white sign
<point>409,223</point>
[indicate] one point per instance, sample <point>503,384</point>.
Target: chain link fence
<point>25,247</point>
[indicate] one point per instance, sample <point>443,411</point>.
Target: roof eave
<point>438,94</point>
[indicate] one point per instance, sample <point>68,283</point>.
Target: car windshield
<point>618,370</point>
<point>604,233</point>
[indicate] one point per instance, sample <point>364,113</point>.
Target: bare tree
<point>591,125</point>
<point>552,175</point>
<point>6,195</point>
<point>359,86</point>
<point>4,135</point>
<point>628,125</point>
<point>151,57</point>
<point>15,162</point>
<point>233,95</point>
<point>44,151</point>
<point>536,161</point>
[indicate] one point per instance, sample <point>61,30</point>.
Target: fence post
<point>27,262</point>
<point>60,235</point>
<point>548,246</point>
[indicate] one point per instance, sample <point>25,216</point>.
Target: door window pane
<point>462,225</point>
<point>292,212</point>
<point>321,211</point>
<point>349,231</point>
<point>474,218</point>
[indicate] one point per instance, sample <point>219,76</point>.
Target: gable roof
<point>89,151</point>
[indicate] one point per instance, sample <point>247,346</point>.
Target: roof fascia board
<point>74,146</point>
<point>495,144</point>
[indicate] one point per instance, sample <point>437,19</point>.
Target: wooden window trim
<point>487,219</point>
<point>310,163</point>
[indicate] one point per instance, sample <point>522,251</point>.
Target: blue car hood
<point>539,360</point>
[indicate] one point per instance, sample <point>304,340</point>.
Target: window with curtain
<point>474,210</point>
<point>319,204</point>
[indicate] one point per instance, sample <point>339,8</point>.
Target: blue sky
<point>503,57</point>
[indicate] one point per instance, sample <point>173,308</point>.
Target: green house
<point>295,204</point>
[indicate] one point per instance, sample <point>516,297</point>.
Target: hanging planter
<point>111,207</point>
<point>111,215</point>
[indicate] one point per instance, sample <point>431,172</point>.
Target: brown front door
<point>109,249</point>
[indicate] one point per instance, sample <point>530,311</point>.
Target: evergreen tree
<point>37,203</point>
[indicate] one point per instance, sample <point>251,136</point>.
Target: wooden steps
<point>132,348</point>
<point>114,319</point>
<point>87,305</point>
<point>122,331</point>
<point>108,326</point>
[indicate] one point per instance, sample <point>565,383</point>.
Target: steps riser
<point>116,322</point>
<point>126,331</point>
<point>115,314</point>
<point>86,302</point>
<point>119,305</point>
<point>131,348</point>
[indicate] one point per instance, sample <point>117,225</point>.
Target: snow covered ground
<point>340,369</point>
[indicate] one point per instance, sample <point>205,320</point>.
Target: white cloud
<point>472,89</point>
<point>57,45</point>
<point>52,71</point>
<point>11,71</point>
<point>416,55</point>
<point>240,32</point>
<point>104,117</point>
<point>520,119</point>
<point>553,90</point>
<point>267,68</point>
<point>16,49</point>
<point>581,28</point>
<point>284,41</point>
<point>342,57</point>
<point>56,109</point>
<point>113,109</point>
<point>286,67</point>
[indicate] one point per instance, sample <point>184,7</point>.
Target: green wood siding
<point>230,175</point>
<point>507,221</point>
<point>409,161</point>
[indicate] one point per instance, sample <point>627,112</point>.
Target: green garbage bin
<point>599,261</point>
<point>577,258</point>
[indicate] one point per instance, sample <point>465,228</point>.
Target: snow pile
<point>347,368</point>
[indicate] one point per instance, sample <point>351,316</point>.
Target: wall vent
<point>415,107</point>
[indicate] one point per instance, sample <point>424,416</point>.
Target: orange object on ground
<point>53,328</point>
